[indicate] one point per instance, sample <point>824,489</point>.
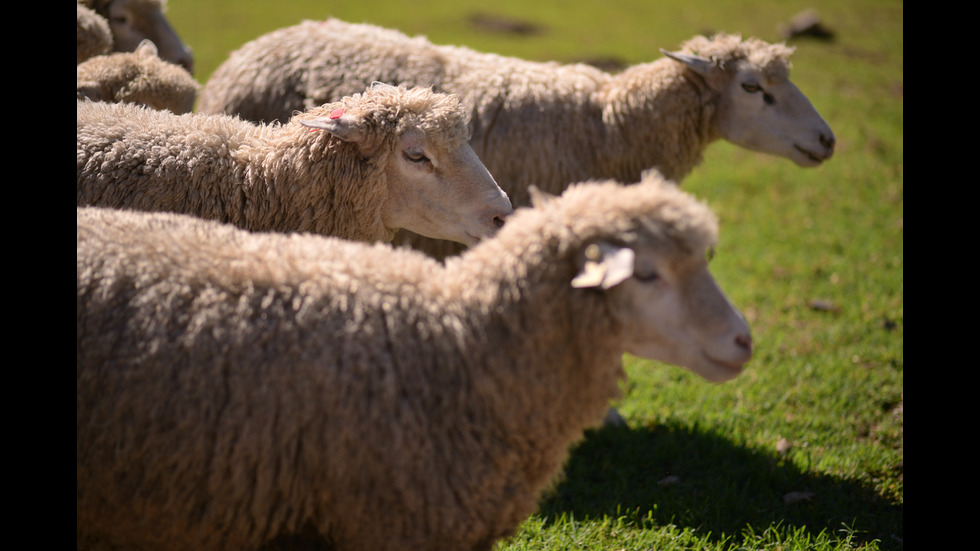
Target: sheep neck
<point>658,115</point>
<point>300,182</point>
<point>559,371</point>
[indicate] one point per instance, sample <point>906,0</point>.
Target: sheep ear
<point>378,84</point>
<point>606,265</point>
<point>146,48</point>
<point>700,65</point>
<point>344,126</point>
<point>539,198</point>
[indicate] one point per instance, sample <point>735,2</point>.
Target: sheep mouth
<point>812,157</point>
<point>728,369</point>
<point>471,239</point>
<point>481,234</point>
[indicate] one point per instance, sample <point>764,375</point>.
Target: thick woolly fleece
<point>233,388</point>
<point>140,77</point>
<point>92,34</point>
<point>258,177</point>
<point>541,124</point>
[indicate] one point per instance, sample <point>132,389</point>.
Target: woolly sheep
<point>92,34</point>
<point>132,21</point>
<point>237,388</point>
<point>544,124</point>
<point>359,168</point>
<point>139,77</point>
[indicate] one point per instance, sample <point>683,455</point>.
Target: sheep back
<point>274,89</point>
<point>230,350</point>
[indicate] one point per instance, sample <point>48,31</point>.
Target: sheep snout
<point>493,218</point>
<point>744,341</point>
<point>818,152</point>
<point>727,357</point>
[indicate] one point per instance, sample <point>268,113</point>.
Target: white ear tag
<point>606,266</point>
<point>590,276</point>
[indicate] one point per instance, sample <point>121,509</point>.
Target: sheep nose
<point>744,342</point>
<point>828,141</point>
<point>498,221</point>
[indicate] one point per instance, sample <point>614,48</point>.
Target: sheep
<point>237,388</point>
<point>131,21</point>
<point>92,34</point>
<point>544,124</point>
<point>139,77</point>
<point>360,168</point>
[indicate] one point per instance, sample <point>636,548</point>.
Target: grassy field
<point>806,449</point>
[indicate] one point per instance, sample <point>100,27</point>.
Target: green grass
<point>814,257</point>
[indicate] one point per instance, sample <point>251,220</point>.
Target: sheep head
<point>757,106</point>
<point>653,274</point>
<point>436,184</point>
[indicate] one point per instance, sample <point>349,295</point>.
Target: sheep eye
<point>646,277</point>
<point>751,87</point>
<point>416,156</point>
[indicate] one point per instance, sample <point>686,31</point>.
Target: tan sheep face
<point>443,193</point>
<point>672,310</point>
<point>763,113</point>
<point>772,116</point>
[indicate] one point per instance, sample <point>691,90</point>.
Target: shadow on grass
<point>691,478</point>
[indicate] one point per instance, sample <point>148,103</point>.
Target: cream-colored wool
<point>543,124</point>
<point>132,21</point>
<point>92,34</point>
<point>236,388</point>
<point>139,77</point>
<point>343,180</point>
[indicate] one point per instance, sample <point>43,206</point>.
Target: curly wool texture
<point>234,388</point>
<point>92,34</point>
<point>580,122</point>
<point>258,177</point>
<point>727,51</point>
<point>139,77</point>
<point>543,124</point>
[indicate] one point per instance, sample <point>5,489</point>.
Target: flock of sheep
<point>373,276</point>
